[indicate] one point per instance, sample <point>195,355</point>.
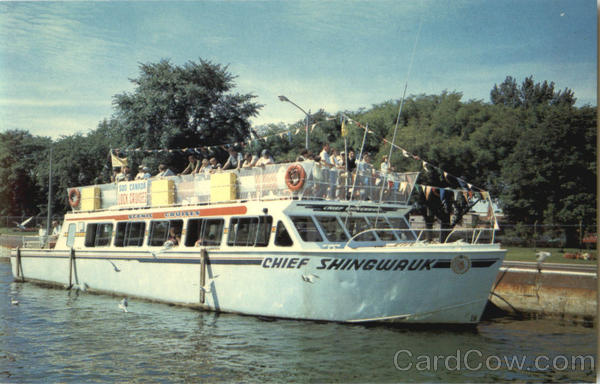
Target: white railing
<point>430,236</point>
<point>269,182</point>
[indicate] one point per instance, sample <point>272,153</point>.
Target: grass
<point>528,254</point>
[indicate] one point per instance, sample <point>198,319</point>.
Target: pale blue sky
<point>61,63</point>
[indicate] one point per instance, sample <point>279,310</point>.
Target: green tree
<point>20,153</point>
<point>183,106</point>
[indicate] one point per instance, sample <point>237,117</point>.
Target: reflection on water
<point>57,335</point>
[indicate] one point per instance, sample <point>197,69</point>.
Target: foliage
<point>530,145</point>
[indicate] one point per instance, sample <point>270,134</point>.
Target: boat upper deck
<point>304,180</point>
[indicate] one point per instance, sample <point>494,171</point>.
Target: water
<point>55,335</point>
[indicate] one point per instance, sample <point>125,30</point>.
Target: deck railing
<point>266,183</point>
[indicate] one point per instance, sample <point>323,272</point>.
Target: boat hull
<point>436,284</point>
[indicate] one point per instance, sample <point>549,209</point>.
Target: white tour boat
<point>282,240</point>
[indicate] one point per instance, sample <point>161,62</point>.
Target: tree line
<point>529,146</point>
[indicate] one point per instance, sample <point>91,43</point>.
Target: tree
<point>529,94</point>
<point>550,175</point>
<point>20,153</point>
<point>184,106</point>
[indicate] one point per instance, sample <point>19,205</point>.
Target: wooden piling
<point>71,261</point>
<point>203,260</point>
<point>20,276</point>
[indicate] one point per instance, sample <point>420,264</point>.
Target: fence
<point>548,235</point>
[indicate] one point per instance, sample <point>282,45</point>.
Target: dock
<point>550,289</point>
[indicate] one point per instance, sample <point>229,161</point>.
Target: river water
<point>54,335</point>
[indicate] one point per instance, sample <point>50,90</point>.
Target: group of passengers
<point>334,175</point>
<point>236,160</point>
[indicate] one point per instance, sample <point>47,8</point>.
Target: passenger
<point>143,174</point>
<point>303,155</point>
<point>317,177</point>
<point>247,161</point>
<point>205,167</point>
<point>339,174</point>
<point>329,175</point>
<point>174,237</point>
<point>265,159</point>
<point>116,171</point>
<point>192,166</point>
<point>214,166</point>
<point>235,159</point>
<point>163,171</point>
<point>55,228</point>
<point>364,175</point>
<point>351,161</point>
<point>123,175</point>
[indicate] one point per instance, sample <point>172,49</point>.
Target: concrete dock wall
<point>558,290</point>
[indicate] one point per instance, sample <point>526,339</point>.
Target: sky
<point>61,63</point>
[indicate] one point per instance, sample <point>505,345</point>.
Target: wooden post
<point>71,260</point>
<point>203,260</point>
<point>20,276</point>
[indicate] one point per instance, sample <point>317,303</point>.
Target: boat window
<point>163,231</point>
<point>306,228</point>
<point>332,228</point>
<point>203,232</point>
<point>130,234</point>
<point>282,237</point>
<point>250,231</point>
<point>404,232</point>
<point>358,224</point>
<point>98,235</point>
<point>381,222</point>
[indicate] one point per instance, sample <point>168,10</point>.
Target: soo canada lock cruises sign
<point>132,193</point>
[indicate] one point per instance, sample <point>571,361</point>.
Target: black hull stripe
<point>482,263</point>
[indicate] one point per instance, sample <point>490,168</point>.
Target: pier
<point>552,289</point>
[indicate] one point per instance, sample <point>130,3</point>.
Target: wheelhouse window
<point>403,232</point>
<point>164,232</point>
<point>282,236</point>
<point>204,232</point>
<point>130,234</point>
<point>98,235</point>
<point>306,228</point>
<point>332,228</point>
<point>356,225</point>
<point>249,231</point>
<point>380,222</point>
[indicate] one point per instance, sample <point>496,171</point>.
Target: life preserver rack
<point>295,176</point>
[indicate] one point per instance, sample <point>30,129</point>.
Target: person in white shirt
<point>235,159</point>
<point>364,173</point>
<point>163,171</point>
<point>143,173</point>
<point>265,158</point>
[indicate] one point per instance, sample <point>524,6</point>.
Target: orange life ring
<point>295,176</point>
<point>74,197</point>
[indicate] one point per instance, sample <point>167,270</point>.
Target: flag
<point>118,161</point>
<point>344,129</point>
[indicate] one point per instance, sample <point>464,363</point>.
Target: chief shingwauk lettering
<point>351,264</point>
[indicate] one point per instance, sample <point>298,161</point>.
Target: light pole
<point>283,98</point>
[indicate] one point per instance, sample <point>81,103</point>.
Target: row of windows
<point>243,231</point>
<point>391,229</point>
<point>248,231</point>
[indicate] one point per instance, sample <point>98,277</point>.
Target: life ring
<point>74,197</point>
<point>295,176</point>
